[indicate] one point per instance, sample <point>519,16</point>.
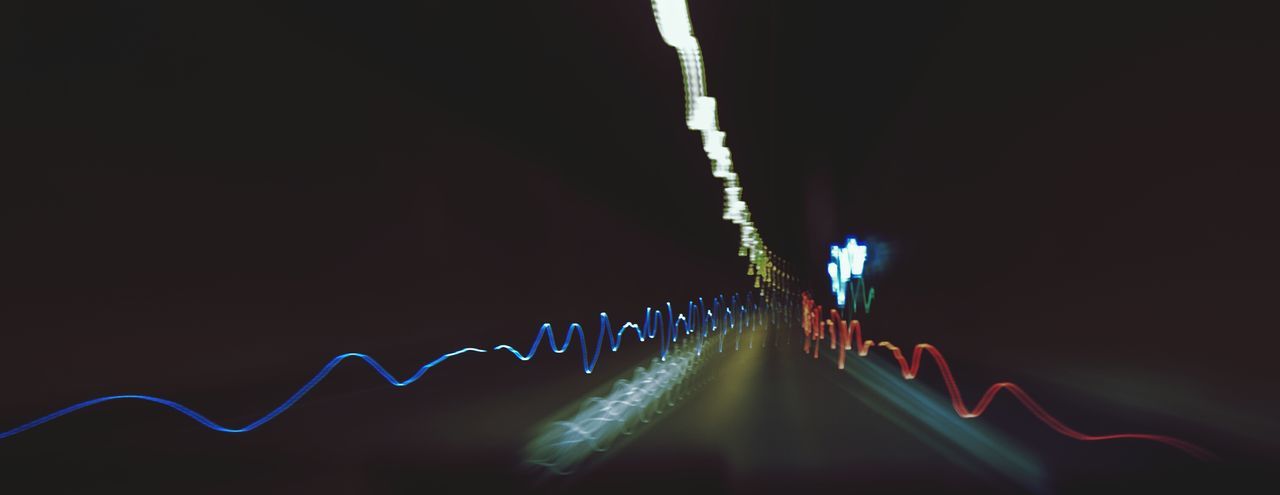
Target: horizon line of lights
<point>720,319</point>
<point>672,17</point>
<point>845,336</point>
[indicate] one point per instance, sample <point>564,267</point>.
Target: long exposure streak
<point>672,17</point>
<point>720,319</point>
<point>602,420</point>
<point>844,336</point>
<point>676,29</point>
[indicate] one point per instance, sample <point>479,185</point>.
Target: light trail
<point>708,321</point>
<point>719,319</point>
<point>602,420</point>
<point>847,336</point>
<point>672,18</point>
<point>208,423</point>
<point>673,21</point>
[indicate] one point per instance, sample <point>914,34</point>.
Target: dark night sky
<point>197,195</point>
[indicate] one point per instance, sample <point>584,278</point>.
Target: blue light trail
<point>208,423</point>
<point>718,319</point>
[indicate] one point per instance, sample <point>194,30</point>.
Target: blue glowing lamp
<point>846,264</point>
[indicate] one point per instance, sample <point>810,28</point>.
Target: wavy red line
<point>844,336</point>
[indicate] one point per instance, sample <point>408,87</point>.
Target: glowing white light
<point>673,21</point>
<point>846,264</point>
<point>601,421</point>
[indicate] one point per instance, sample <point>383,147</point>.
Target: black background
<point>207,200</point>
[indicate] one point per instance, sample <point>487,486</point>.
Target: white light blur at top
<point>673,21</point>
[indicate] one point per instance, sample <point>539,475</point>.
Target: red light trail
<point>844,336</point>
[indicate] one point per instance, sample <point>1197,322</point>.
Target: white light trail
<point>673,21</point>
<point>601,421</point>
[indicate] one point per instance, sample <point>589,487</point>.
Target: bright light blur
<point>673,21</point>
<point>845,265</point>
<point>601,421</point>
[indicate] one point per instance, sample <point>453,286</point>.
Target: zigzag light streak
<point>844,336</point>
<point>603,420</point>
<point>720,319</point>
<point>672,17</point>
<point>653,327</point>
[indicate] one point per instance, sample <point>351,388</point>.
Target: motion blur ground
<point>801,425</point>
<point>207,201</point>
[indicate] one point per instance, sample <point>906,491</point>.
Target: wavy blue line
<point>709,321</point>
<point>200,418</point>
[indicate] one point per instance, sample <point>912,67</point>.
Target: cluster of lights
<point>846,264</point>
<point>672,17</point>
